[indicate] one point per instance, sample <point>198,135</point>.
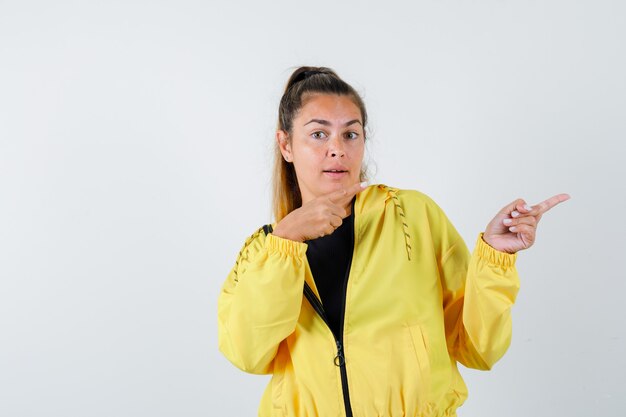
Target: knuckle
<point>528,229</point>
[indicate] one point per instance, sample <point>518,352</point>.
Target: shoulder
<point>416,198</point>
<point>253,244</point>
<point>411,200</point>
<point>411,207</point>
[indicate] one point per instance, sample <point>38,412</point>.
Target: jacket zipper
<point>339,359</point>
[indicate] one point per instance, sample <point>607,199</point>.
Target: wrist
<point>487,240</point>
<point>494,255</point>
<point>284,233</point>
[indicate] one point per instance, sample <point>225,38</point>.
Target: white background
<point>135,152</point>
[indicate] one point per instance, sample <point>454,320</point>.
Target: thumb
<point>509,208</point>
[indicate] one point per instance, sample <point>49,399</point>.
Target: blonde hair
<point>303,81</point>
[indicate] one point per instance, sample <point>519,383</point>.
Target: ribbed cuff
<point>493,256</point>
<point>285,246</point>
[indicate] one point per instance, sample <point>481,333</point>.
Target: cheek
<point>308,160</point>
<point>358,150</point>
<point>310,155</point>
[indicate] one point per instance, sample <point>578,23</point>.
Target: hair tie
<point>306,74</point>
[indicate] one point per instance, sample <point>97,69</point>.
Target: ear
<point>282,138</point>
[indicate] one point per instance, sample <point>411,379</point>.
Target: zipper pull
<point>339,360</point>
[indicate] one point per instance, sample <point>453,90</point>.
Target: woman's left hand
<point>514,227</point>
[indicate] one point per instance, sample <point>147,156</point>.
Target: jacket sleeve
<point>478,293</point>
<point>260,301</point>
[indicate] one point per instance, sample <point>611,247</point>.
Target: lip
<point>336,174</point>
<point>336,168</point>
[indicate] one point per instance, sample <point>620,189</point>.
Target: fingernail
<point>364,184</point>
<point>514,213</point>
<point>513,229</point>
<point>527,207</point>
<point>507,221</point>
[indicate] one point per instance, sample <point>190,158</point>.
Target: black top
<point>329,258</point>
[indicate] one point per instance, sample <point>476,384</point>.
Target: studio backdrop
<point>136,142</point>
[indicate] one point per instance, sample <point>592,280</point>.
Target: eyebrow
<point>327,123</point>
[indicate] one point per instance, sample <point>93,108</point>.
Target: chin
<point>327,187</point>
<point>338,185</point>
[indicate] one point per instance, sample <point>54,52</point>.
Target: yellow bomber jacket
<point>416,303</point>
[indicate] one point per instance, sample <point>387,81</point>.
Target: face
<point>326,145</point>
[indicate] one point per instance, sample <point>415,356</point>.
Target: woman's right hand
<point>318,217</point>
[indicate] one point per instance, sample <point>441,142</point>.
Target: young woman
<point>361,300</point>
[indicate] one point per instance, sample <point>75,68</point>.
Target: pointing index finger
<point>551,202</point>
<point>345,195</point>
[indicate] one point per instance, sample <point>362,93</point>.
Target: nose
<point>335,148</point>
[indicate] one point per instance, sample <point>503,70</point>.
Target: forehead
<point>330,107</point>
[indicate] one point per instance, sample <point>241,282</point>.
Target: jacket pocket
<point>420,346</point>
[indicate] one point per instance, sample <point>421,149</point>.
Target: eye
<point>318,135</point>
<point>351,135</point>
